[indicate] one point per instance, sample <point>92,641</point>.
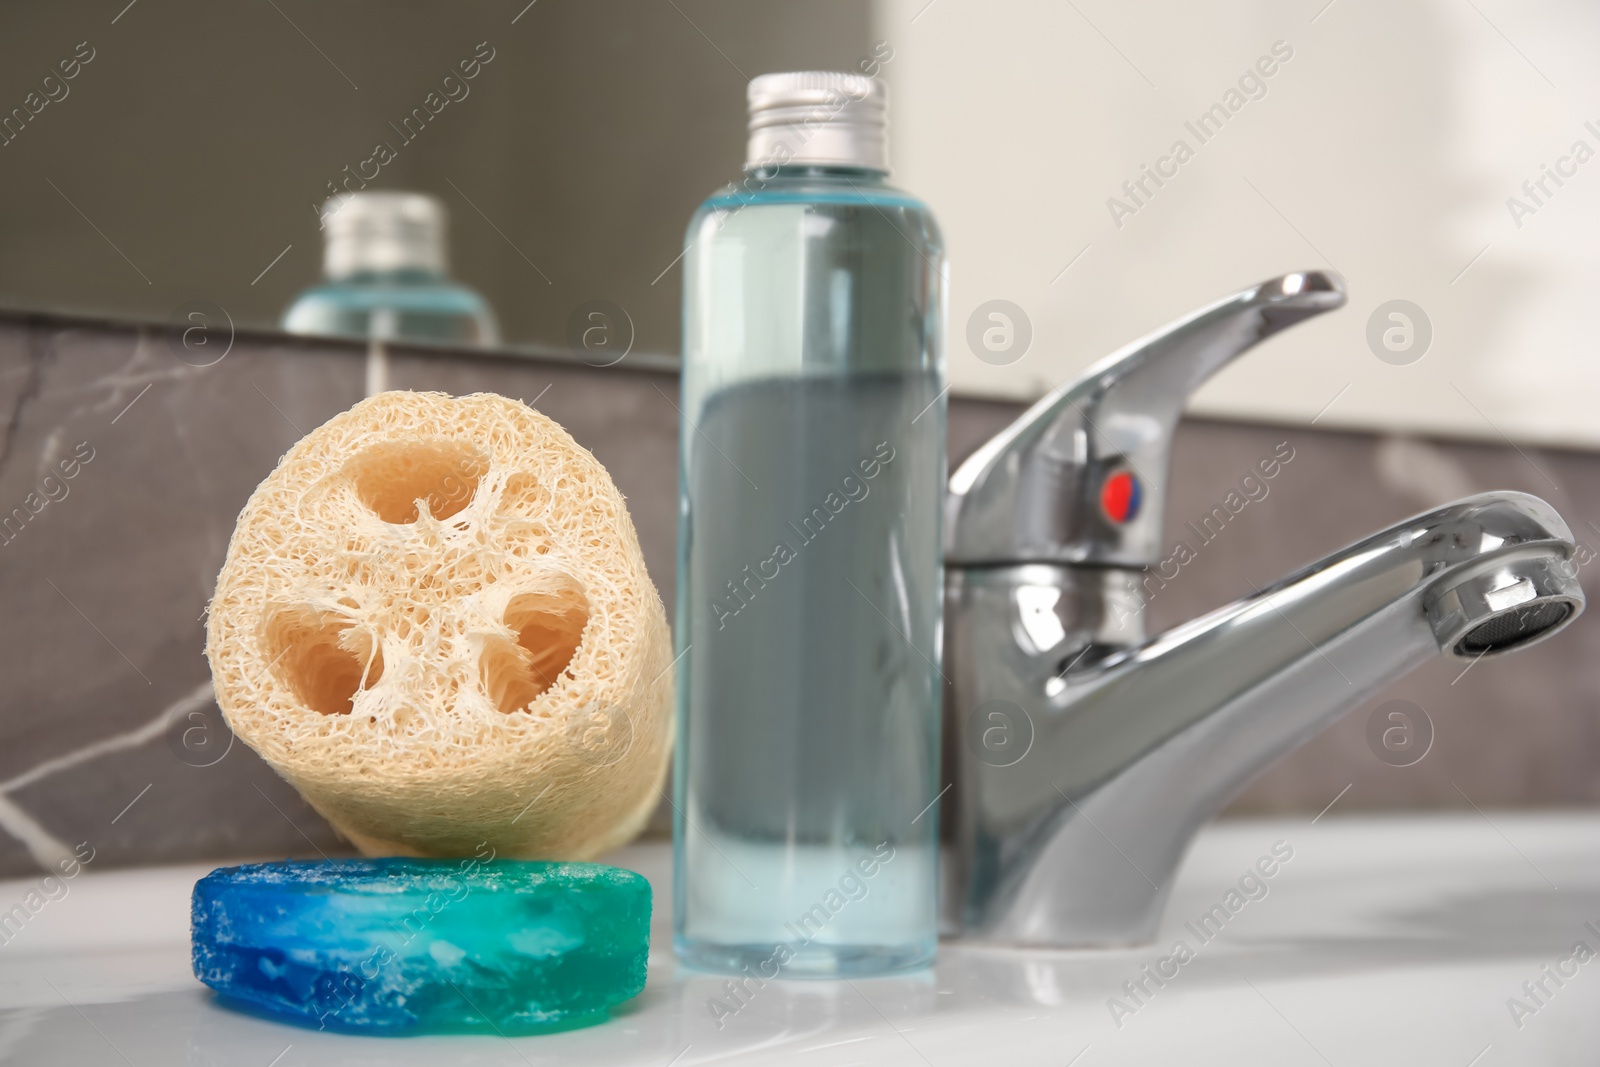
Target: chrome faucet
<point>1088,756</point>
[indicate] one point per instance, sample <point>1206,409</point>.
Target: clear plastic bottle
<point>385,276</point>
<point>811,481</point>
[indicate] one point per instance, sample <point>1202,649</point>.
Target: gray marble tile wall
<point>128,461</point>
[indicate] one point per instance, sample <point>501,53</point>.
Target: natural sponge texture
<point>434,620</point>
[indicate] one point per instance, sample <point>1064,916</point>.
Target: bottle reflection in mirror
<point>385,276</point>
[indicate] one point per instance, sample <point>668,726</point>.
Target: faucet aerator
<point>1504,603</point>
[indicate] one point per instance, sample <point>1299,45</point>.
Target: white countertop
<point>1381,941</point>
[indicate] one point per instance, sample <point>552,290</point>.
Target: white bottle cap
<point>379,232</point>
<point>820,118</point>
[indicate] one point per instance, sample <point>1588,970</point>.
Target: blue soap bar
<point>415,946</point>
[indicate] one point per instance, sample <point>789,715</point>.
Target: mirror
<point>1099,170</point>
<point>168,160</point>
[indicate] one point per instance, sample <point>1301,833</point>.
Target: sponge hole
<point>322,659</point>
<point>392,478</point>
<point>523,495</point>
<point>548,628</point>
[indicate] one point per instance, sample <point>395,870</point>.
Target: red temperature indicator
<point>1120,496</point>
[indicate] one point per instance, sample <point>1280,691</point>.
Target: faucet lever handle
<point>1077,479</point>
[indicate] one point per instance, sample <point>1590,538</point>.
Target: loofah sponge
<point>434,621</point>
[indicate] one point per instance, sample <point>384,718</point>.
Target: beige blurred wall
<point>1387,145</point>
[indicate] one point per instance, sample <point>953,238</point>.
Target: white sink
<point>1380,941</point>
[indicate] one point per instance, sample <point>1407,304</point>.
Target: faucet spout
<point>1085,771</point>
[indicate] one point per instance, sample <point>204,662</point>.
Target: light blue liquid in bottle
<point>811,480</point>
<point>385,276</point>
